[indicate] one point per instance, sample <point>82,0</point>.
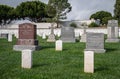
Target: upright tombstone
<point>89,61</point>
<point>83,37</point>
<point>43,36</point>
<point>10,37</point>
<point>67,34</point>
<point>3,35</point>
<point>58,45</point>
<point>27,37</point>
<point>113,31</point>
<point>26,58</point>
<point>95,42</point>
<point>51,37</point>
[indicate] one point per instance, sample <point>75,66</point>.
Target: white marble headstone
<point>43,36</point>
<point>89,61</point>
<point>10,37</point>
<point>26,58</point>
<point>59,45</point>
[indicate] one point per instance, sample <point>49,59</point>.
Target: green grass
<point>66,64</point>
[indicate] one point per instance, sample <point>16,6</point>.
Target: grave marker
<point>26,58</point>
<point>51,37</point>
<point>89,61</point>
<point>27,37</point>
<point>10,37</point>
<point>58,45</point>
<point>95,42</point>
<point>67,34</point>
<point>113,31</point>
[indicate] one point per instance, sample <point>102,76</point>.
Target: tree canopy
<point>102,15</point>
<point>61,7</point>
<point>6,13</point>
<point>35,10</point>
<point>117,10</point>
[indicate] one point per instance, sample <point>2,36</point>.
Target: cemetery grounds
<point>66,64</point>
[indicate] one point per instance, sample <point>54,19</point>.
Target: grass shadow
<point>39,65</point>
<point>101,69</point>
<point>110,50</point>
<point>46,47</point>
<point>65,49</point>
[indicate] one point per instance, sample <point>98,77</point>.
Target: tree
<point>100,15</point>
<point>51,12</point>
<point>117,9</point>
<point>35,10</point>
<point>62,7</point>
<point>105,20</point>
<point>5,14</point>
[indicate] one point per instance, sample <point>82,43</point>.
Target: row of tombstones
<point>112,32</point>
<point>94,43</point>
<point>67,33</point>
<point>88,58</point>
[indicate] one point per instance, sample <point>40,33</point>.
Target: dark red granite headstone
<point>27,34</point>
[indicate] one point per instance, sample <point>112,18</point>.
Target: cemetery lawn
<point>66,64</point>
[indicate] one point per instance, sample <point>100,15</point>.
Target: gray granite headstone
<point>95,42</point>
<point>113,31</point>
<point>3,35</point>
<point>67,34</point>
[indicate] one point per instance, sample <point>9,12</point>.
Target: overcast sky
<point>81,9</point>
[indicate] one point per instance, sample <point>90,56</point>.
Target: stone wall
<point>40,30</point>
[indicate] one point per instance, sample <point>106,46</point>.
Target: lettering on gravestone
<point>27,37</point>
<point>95,42</point>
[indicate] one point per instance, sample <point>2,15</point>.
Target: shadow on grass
<point>101,69</point>
<point>46,47</point>
<point>110,50</point>
<point>39,65</point>
<point>65,49</point>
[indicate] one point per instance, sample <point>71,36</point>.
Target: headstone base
<point>96,50</point>
<point>113,40</point>
<point>23,47</point>
<point>68,40</point>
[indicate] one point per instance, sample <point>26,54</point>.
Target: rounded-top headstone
<point>59,45</point>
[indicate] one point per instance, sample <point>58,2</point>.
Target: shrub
<point>93,25</point>
<point>73,25</point>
